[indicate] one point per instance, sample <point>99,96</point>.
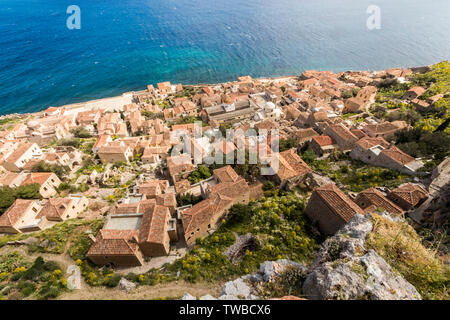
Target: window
<point>34,209</point>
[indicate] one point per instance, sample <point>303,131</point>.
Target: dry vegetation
<point>402,248</point>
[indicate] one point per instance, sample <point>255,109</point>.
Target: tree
<point>187,199</point>
<point>42,166</point>
<point>81,132</point>
<point>286,144</point>
<point>9,195</point>
<point>200,173</point>
<point>239,213</point>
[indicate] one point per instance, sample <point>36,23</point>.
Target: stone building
<point>330,208</point>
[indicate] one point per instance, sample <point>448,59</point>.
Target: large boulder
<point>126,285</point>
<point>236,288</point>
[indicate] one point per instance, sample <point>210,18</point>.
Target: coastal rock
<point>188,296</point>
<point>126,285</point>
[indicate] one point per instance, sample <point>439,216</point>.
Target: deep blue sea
<point>124,45</point>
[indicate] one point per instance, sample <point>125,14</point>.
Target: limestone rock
<point>74,277</point>
<point>207,297</point>
<point>228,297</point>
<point>27,241</point>
<point>126,285</point>
<point>269,270</point>
<point>188,296</point>
<point>345,269</point>
<point>236,288</point>
<point>358,227</point>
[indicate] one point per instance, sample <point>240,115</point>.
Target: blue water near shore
<point>123,45</point>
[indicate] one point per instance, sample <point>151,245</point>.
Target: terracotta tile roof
<point>154,223</point>
<point>197,215</point>
<point>373,197</point>
<point>128,208</point>
<point>55,208</point>
<point>220,196</point>
<point>112,150</point>
<point>182,185</point>
<point>291,165</point>
<point>16,154</point>
<point>411,193</point>
<point>305,133</point>
<point>226,174</point>
<point>342,131</point>
<point>37,177</point>
<point>8,178</point>
<point>381,128</point>
<point>318,116</point>
<point>167,199</point>
<point>179,164</point>
<point>324,140</point>
<point>15,212</point>
<point>397,155</point>
<point>358,133</point>
<point>337,202</point>
<point>150,188</point>
<point>367,142</point>
<point>115,242</point>
<point>101,141</point>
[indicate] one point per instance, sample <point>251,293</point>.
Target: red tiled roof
<point>115,242</point>
<point>411,193</point>
<point>338,202</point>
<point>367,142</point>
<point>37,177</point>
<point>55,208</point>
<point>154,223</point>
<point>373,197</point>
<point>397,155</point>
<point>324,140</point>
<point>15,212</point>
<point>291,165</point>
<point>226,174</point>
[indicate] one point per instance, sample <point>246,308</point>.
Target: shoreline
<point>82,104</point>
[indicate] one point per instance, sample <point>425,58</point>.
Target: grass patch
<point>58,235</point>
<point>81,243</point>
<point>402,248</point>
<point>38,280</point>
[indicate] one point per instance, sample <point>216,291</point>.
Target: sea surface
<point>123,45</point>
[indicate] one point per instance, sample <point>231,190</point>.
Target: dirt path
<point>168,290</point>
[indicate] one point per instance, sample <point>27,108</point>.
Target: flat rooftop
<point>124,222</point>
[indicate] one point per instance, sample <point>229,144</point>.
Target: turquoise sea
<point>124,45</point>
